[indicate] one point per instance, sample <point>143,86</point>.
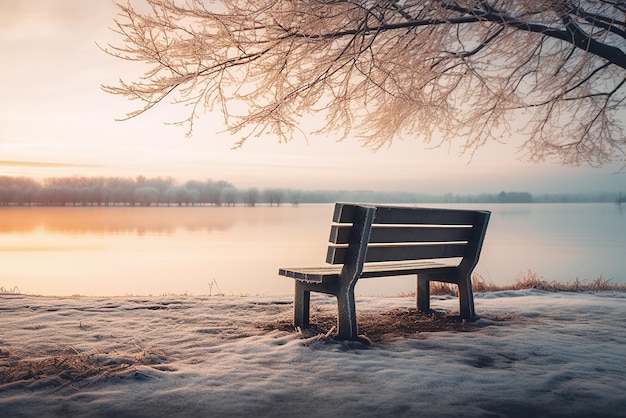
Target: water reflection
<point>506,210</point>
<point>117,251</point>
<point>117,220</point>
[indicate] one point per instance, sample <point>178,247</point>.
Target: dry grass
<point>14,290</point>
<point>410,323</point>
<point>70,368</point>
<point>529,281</point>
<point>384,326</point>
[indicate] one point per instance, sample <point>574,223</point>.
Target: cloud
<point>42,164</point>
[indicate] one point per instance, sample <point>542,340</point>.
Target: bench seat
<point>324,273</point>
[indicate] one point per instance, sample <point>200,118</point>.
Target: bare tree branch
<point>551,72</point>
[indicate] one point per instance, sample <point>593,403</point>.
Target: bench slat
<point>337,255</point>
<point>340,234</point>
<point>403,269</point>
<point>409,215</point>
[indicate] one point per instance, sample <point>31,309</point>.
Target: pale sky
<point>56,121</point>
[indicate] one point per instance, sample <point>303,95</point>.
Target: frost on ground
<point>532,353</point>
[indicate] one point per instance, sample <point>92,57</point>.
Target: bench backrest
<point>375,233</point>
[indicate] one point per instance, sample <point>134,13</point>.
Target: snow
<point>532,353</point>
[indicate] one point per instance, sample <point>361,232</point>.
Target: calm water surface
<point>141,251</point>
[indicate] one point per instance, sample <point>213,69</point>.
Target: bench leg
<point>346,315</point>
<point>302,306</point>
<point>466,300</point>
<point>423,294</point>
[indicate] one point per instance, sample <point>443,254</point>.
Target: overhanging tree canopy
<point>552,72</point>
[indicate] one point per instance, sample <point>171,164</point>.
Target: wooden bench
<point>377,241</point>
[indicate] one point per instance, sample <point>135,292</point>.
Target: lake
<point>110,251</point>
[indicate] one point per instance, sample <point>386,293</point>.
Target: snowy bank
<point>533,353</point>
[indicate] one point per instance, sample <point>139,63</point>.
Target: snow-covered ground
<point>532,354</point>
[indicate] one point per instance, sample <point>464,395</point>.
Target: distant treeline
<point>142,191</point>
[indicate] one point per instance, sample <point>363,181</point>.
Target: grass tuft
<point>530,280</point>
<point>15,290</point>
